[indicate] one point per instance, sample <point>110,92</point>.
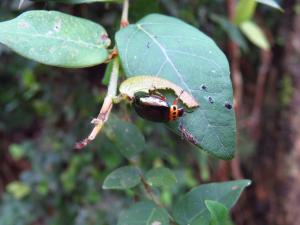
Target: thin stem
<point>113,81</point>
<point>20,4</point>
<point>155,199</point>
<point>111,91</point>
<point>124,18</point>
<point>106,107</point>
<point>237,78</point>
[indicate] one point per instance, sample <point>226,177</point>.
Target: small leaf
<point>77,1</point>
<point>18,189</point>
<point>127,138</point>
<point>191,208</point>
<point>122,178</point>
<point>144,213</point>
<point>271,3</point>
<point>244,11</point>
<point>231,30</point>
<point>161,177</point>
<point>168,48</point>
<point>255,34</point>
<point>55,38</point>
<point>219,213</point>
<point>16,151</point>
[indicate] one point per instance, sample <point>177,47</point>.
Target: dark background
<point>44,110</point>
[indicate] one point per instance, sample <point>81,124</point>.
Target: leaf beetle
<point>154,107</point>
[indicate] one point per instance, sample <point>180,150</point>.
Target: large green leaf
<point>127,138</point>
<point>167,47</point>
<point>219,214</point>
<point>144,213</point>
<point>191,208</point>
<point>56,38</point>
<point>122,178</point>
<point>76,1</point>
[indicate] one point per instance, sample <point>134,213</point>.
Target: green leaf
<point>219,213</point>
<point>169,48</point>
<point>161,177</point>
<point>55,38</point>
<point>244,11</point>
<point>122,178</point>
<point>77,1</point>
<point>106,77</point>
<point>144,213</point>
<point>271,3</point>
<point>231,30</point>
<point>127,138</point>
<point>18,189</point>
<point>191,208</point>
<point>16,151</point>
<point>255,34</point>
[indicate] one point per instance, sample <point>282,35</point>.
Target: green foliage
<point>255,34</point>
<point>46,110</point>
<point>161,177</point>
<point>16,151</point>
<point>18,189</point>
<point>55,38</point>
<point>244,11</point>
<point>153,47</point>
<point>144,213</point>
<point>122,178</point>
<point>77,1</point>
<point>191,208</point>
<point>219,213</point>
<point>127,137</point>
<point>231,30</point>
<point>107,73</point>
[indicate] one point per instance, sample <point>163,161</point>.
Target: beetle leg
<point>120,98</point>
<point>155,92</point>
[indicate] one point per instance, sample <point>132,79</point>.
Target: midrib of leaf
<point>164,52</point>
<point>150,217</point>
<point>85,44</point>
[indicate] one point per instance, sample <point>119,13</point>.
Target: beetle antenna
<point>176,100</point>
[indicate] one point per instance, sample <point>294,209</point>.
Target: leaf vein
<point>163,50</point>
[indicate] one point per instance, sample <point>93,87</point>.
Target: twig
<point>234,53</point>
<point>155,199</point>
<point>106,107</point>
<point>124,18</point>
<point>255,117</point>
<point>21,3</point>
<point>111,91</point>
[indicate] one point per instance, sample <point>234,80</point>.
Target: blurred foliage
<point>45,110</point>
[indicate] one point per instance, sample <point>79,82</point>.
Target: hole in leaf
<point>203,87</point>
<point>228,105</point>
